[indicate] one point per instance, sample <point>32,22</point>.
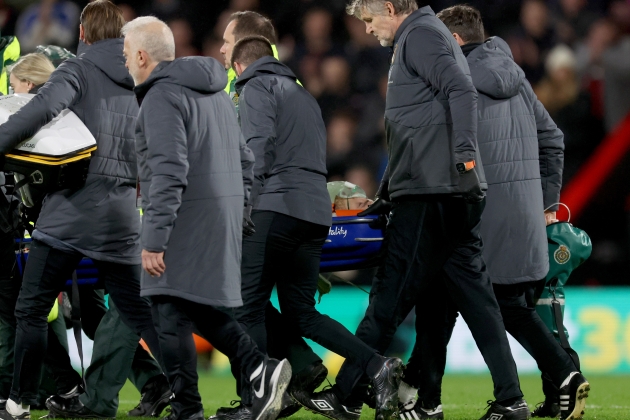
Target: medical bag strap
<point>76,321</point>
<point>557,314</point>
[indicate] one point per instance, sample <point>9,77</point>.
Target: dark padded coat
<point>522,152</point>
<point>430,110</point>
<point>99,220</point>
<point>283,126</point>
<point>191,156</point>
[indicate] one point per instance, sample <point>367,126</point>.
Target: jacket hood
<point>107,55</point>
<point>263,66</point>
<point>493,70</point>
<point>201,74</point>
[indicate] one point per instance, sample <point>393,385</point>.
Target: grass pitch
<point>464,397</point>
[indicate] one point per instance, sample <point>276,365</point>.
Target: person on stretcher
<point>347,198</point>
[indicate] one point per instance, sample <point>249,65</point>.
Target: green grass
<point>464,396</point>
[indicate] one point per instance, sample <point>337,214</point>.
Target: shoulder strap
<point>76,322</point>
<point>557,314</point>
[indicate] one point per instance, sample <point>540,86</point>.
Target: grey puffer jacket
<point>99,220</point>
<point>523,154</point>
<point>191,156</point>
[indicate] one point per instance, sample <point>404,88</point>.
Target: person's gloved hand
<point>380,206</point>
<point>248,225</point>
<point>470,187</point>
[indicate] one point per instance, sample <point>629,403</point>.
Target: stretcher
<point>87,273</point>
<point>353,243</point>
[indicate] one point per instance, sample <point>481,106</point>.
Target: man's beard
<point>386,42</point>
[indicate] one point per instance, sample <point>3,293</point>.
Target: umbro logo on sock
<point>322,405</point>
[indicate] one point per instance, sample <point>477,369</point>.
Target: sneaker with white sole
<point>418,412</point>
<point>15,411</point>
<point>573,394</point>
<point>269,382</point>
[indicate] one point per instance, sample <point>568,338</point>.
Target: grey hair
<point>376,7</point>
<point>153,36</point>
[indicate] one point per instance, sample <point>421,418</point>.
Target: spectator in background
<point>335,86</point>
<point>340,140</point>
<point>616,62</point>
<point>8,17</point>
<point>533,39</point>
<point>589,62</point>
<point>317,44</point>
<point>573,21</point>
<point>128,12</point>
<point>569,107</point>
<point>370,134</point>
<point>48,22</point>
<point>183,34</point>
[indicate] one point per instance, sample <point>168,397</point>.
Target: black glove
<point>470,187</point>
<point>248,225</point>
<point>380,206</point>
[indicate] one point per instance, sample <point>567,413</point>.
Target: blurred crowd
<point>575,53</point>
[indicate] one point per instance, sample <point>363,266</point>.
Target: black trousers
<point>426,237</point>
<point>57,361</point>
<point>426,365</point>
<point>285,252</point>
<point>175,320</point>
<point>45,275</point>
<point>282,343</point>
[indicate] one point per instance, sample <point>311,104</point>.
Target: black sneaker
<point>173,416</point>
<point>418,412</point>
<point>548,409</point>
<point>573,397</point>
<point>268,387</point>
<point>156,396</point>
<point>70,408</point>
<point>517,411</point>
<point>240,412</point>
<point>385,386</point>
<point>74,392</point>
<point>307,380</point>
<point>3,404</point>
<point>327,404</point>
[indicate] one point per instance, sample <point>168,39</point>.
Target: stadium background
<point>576,54</point>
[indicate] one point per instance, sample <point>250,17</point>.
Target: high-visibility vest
<point>10,49</point>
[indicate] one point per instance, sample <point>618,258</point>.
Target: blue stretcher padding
<point>87,274</point>
<point>353,243</point>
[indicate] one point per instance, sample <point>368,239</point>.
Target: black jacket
<point>283,126</point>
<point>431,110</point>
<point>522,151</point>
